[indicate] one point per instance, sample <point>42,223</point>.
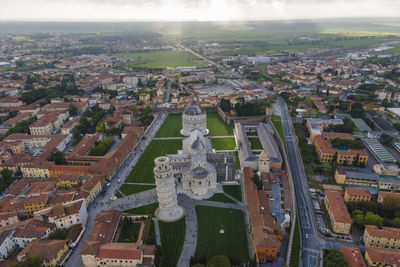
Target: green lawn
<point>223,143</point>
<point>102,147</point>
<point>210,241</point>
<point>217,126</point>
<point>118,194</point>
<point>172,239</point>
<point>255,143</point>
<point>129,232</point>
<point>276,120</point>
<point>237,163</point>
<point>130,189</point>
<point>143,170</point>
<point>171,126</point>
<point>150,236</point>
<point>221,198</point>
<point>294,256</point>
<point>161,59</point>
<point>234,190</point>
<point>143,210</point>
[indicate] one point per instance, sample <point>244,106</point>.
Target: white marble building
<point>193,118</point>
<point>168,209</point>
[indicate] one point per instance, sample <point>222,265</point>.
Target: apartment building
<point>355,194</point>
<point>337,210</point>
<point>385,237</point>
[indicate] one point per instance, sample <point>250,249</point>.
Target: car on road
<point>119,181</point>
<point>307,236</point>
<point>104,192</point>
<point>108,184</point>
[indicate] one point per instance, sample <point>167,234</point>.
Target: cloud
<point>194,9</point>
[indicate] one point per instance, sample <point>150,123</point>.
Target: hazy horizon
<point>194,10</point>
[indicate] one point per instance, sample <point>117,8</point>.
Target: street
<point>311,240</point>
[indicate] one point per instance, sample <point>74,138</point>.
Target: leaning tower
<point>168,209</point>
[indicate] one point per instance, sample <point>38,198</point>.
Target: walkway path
<point>168,138</point>
<point>189,246</point>
<point>140,183</point>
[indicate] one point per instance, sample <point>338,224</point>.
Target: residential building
<point>337,210</point>
<point>7,219</point>
<point>7,245</point>
<point>52,252</point>
<point>353,256</point>
<point>383,194</point>
<point>355,194</point>
<point>385,237</point>
<point>30,230</point>
<point>342,156</point>
<point>65,215</point>
<point>382,257</point>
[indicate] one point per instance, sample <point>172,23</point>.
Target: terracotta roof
<point>358,192</point>
<point>125,251</point>
<point>102,231</point>
<point>386,256</point>
<point>33,229</point>
<point>44,249</point>
<point>332,135</point>
<point>384,194</point>
<point>326,147</point>
<point>338,207</point>
<point>385,232</point>
<point>353,256</point>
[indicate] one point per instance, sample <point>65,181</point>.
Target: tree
<point>225,105</point>
<point>326,167</point>
<point>386,139</point>
<point>334,258</point>
<point>6,174</point>
<point>373,219</point>
<point>57,156</point>
<point>73,110</point>
<point>219,261</point>
<point>58,234</point>
<point>30,262</point>
<point>134,109</point>
<point>358,218</point>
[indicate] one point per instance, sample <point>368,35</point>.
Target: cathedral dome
<point>193,108</point>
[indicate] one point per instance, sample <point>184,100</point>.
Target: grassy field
<point>395,50</point>
<point>143,210</point>
<point>161,59</point>
<point>294,256</point>
<point>217,126</point>
<point>223,143</point>
<point>129,232</point>
<point>237,163</point>
<point>130,189</point>
<point>276,120</point>
<point>172,239</point>
<point>255,143</point>
<point>233,190</point>
<point>143,170</point>
<point>221,198</point>
<point>210,241</point>
<point>171,126</point>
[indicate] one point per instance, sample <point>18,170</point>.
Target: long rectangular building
<point>338,214</point>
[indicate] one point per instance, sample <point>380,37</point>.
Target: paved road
<point>311,240</point>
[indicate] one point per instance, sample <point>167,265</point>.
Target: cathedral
<point>197,168</point>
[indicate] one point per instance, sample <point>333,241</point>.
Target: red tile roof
<point>338,207</point>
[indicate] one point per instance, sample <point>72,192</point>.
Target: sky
<point>135,10</point>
